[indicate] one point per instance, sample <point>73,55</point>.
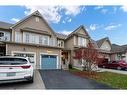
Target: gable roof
<point>76,30</point>
<point>94,43</point>
<point>61,36</point>
<point>36,13</point>
<point>101,41</point>
<point>5,25</point>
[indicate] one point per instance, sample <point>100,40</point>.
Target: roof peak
<point>103,38</point>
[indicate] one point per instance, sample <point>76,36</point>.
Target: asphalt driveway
<point>59,79</point>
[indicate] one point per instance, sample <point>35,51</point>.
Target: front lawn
<point>112,79</point>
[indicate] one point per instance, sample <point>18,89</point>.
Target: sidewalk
<point>114,71</point>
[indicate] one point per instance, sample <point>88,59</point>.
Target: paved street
<point>59,79</point>
<point>38,84</point>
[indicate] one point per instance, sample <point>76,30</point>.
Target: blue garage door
<point>48,62</point>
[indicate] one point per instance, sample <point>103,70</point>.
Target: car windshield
<point>12,61</point>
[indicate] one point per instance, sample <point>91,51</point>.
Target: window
<point>12,61</point>
<point>33,39</point>
<point>45,40</point>
<point>37,19</point>
<point>81,41</point>
<point>60,43</point>
<point>18,37</point>
<point>1,34</point>
<point>27,38</point>
<point>40,40</point>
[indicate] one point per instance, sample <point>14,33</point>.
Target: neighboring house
<point>119,52</point>
<point>78,38</point>
<point>104,46</point>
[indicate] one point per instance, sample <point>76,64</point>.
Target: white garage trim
<point>12,53</point>
<point>49,54</point>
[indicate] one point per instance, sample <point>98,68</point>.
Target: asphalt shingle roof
<point>5,25</point>
<point>61,36</point>
<point>118,48</point>
<point>94,43</point>
<point>100,42</point>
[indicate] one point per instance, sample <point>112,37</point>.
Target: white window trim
<point>74,40</point>
<point>57,58</point>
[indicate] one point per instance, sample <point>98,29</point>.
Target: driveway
<point>59,79</point>
<point>38,84</point>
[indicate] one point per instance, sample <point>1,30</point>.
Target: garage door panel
<point>49,62</point>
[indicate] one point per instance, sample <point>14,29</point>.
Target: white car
<point>13,69</point>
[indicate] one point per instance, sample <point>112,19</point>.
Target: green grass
<point>112,79</point>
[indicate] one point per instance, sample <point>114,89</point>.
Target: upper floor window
<point>40,40</point>
<point>81,41</point>
<point>33,38</point>
<point>18,37</point>
<point>60,43</point>
<point>1,34</point>
<point>27,38</point>
<point>37,19</point>
<point>44,40</point>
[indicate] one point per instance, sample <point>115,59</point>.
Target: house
<point>105,47</point>
<point>33,37</point>
<point>119,52</point>
<point>77,39</point>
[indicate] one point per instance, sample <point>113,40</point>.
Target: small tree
<point>89,57</point>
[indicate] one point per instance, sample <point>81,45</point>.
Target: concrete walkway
<point>59,79</point>
<point>114,71</point>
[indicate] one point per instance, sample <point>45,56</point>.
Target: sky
<point>99,21</point>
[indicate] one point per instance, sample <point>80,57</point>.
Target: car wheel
<point>31,80</point>
<point>119,68</point>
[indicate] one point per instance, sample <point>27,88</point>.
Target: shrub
<point>70,66</point>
